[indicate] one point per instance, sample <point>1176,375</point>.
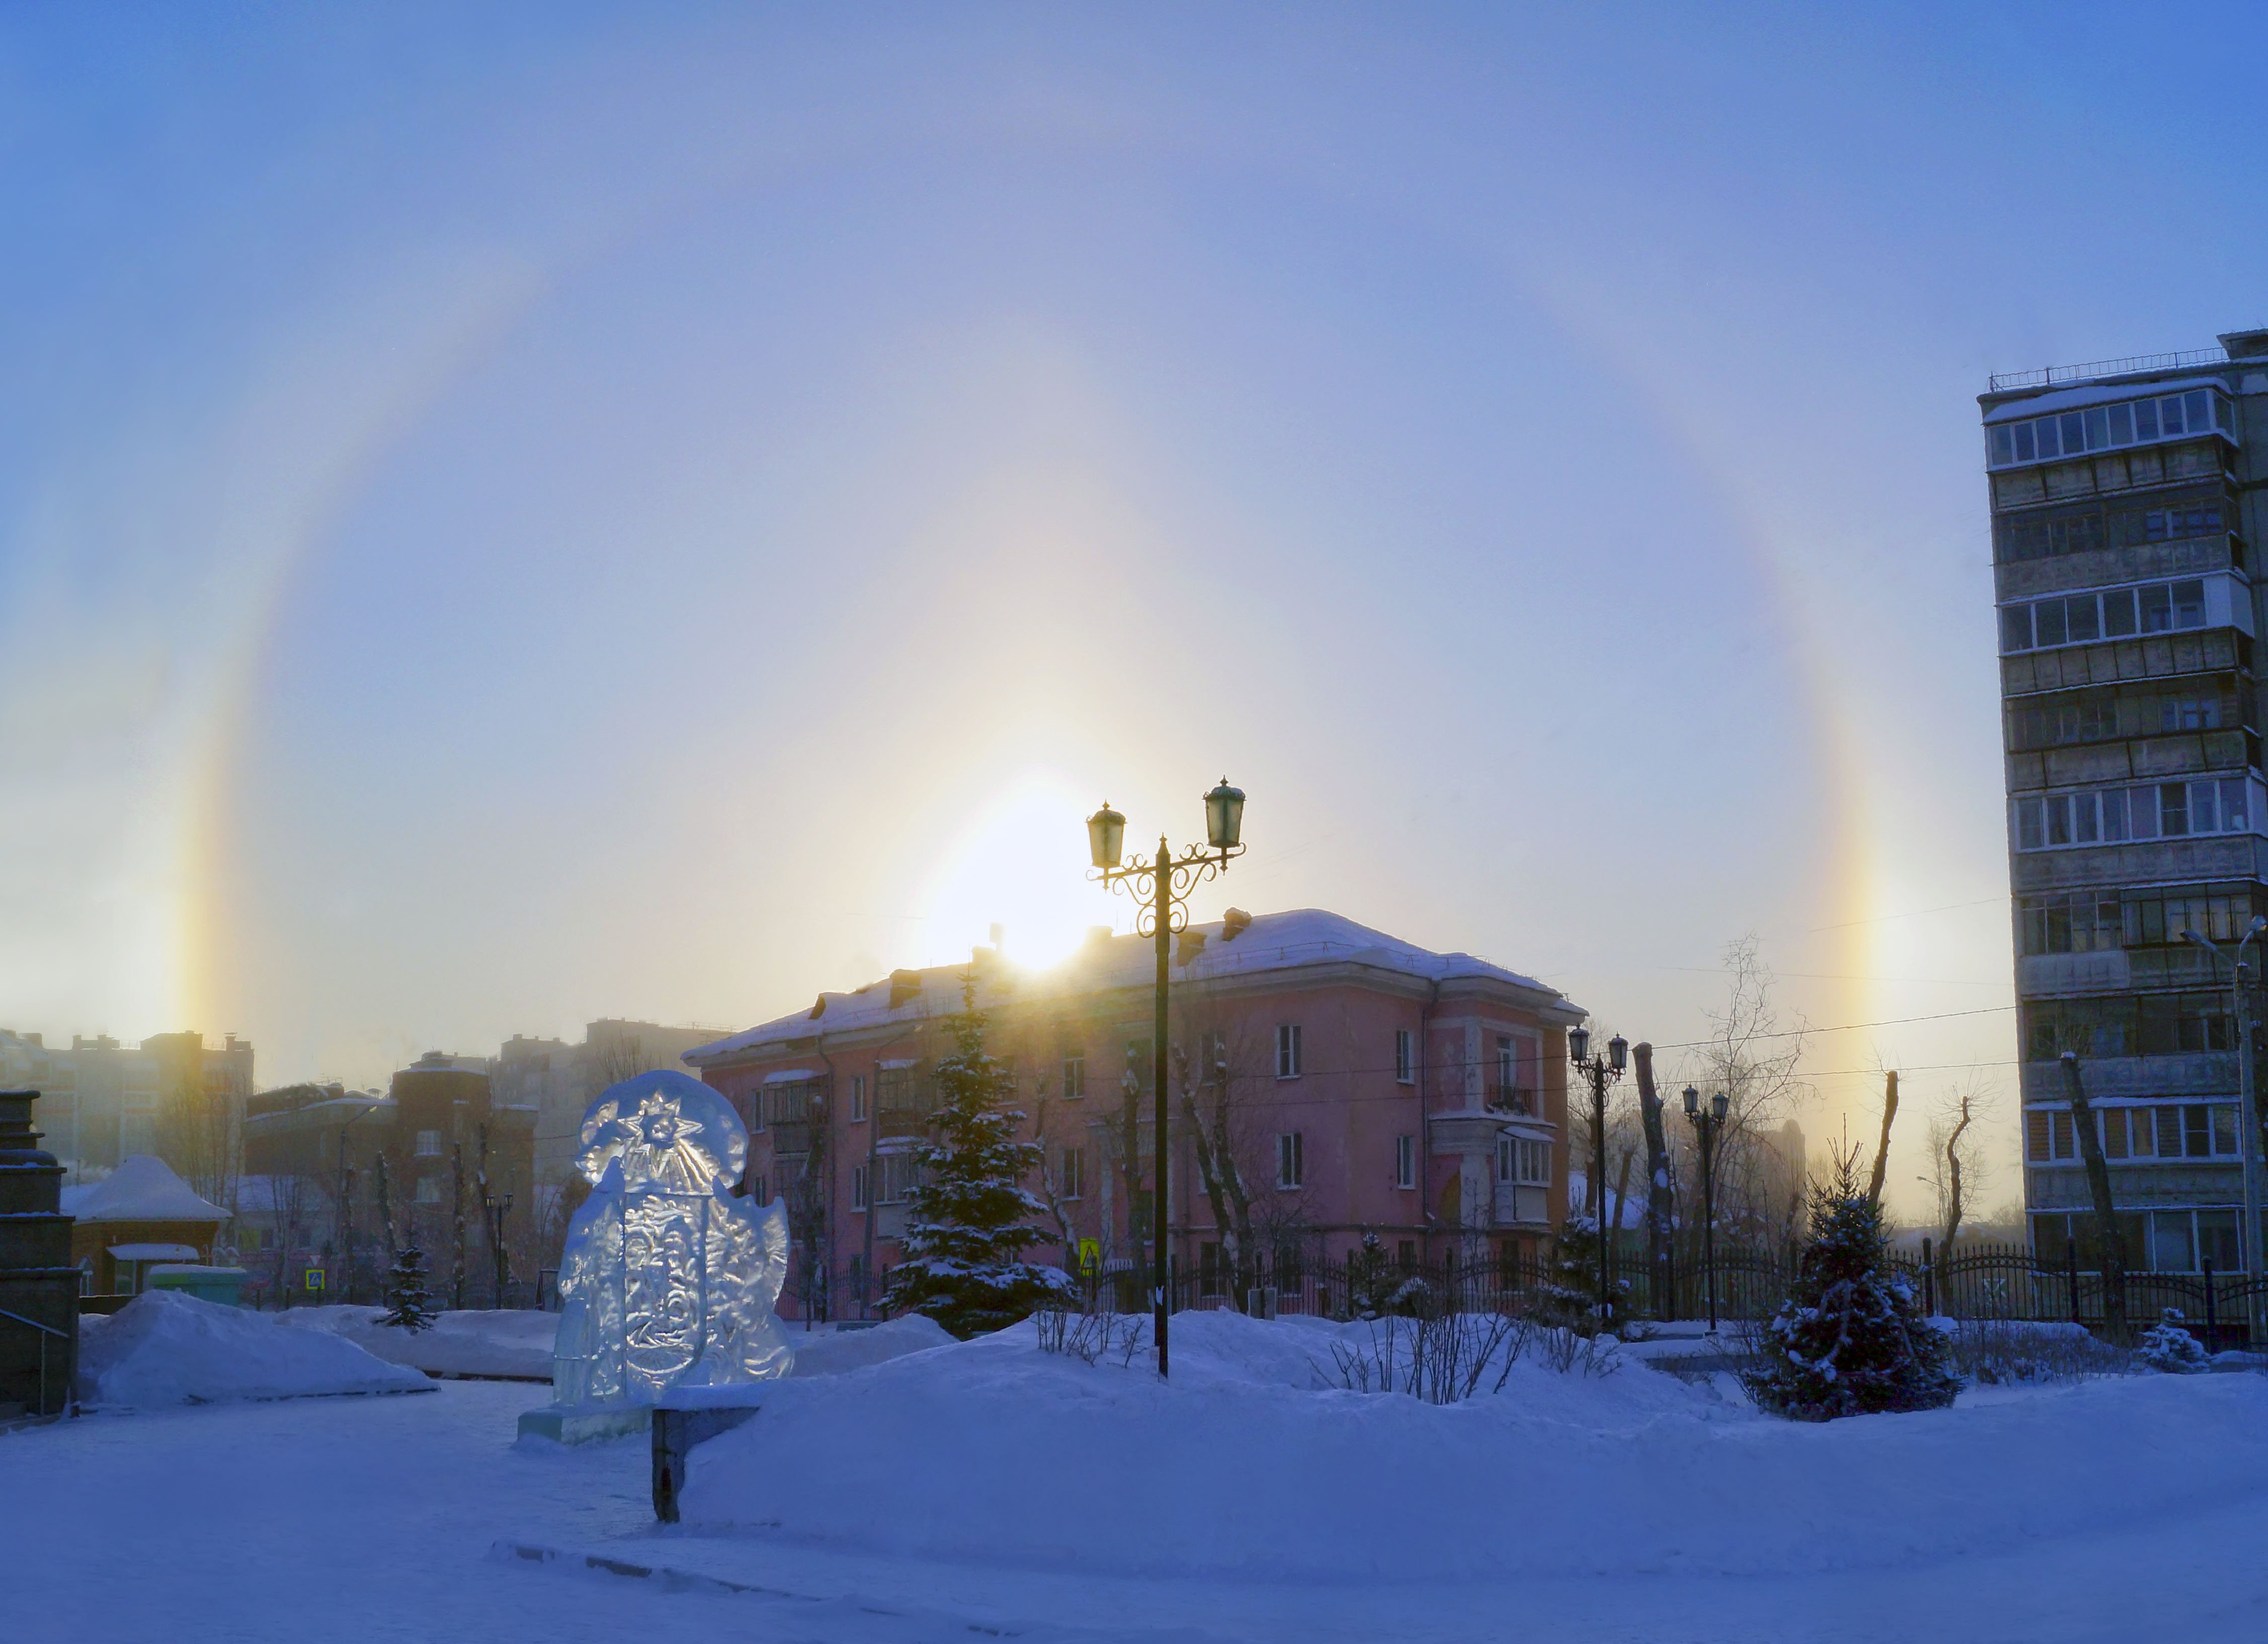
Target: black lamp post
<point>1706,1122</point>
<point>1162,888</point>
<point>1599,1072</point>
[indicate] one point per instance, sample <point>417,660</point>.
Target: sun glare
<point>1021,864</point>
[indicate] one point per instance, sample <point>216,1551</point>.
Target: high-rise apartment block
<point>2125,498</point>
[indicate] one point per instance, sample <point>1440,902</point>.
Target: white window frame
<point>858,1187</point>
<point>1073,1175</point>
<point>1290,1160</point>
<point>1288,1049</point>
<point>1405,1161</point>
<point>1074,1075</point>
<point>429,1145</point>
<point>858,1098</point>
<point>1405,1057</point>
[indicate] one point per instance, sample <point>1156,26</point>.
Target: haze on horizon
<point>512,517</point>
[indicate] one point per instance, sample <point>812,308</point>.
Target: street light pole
<point>1706,1122</point>
<point>1599,1072</point>
<point>1163,888</point>
<point>2248,1106</point>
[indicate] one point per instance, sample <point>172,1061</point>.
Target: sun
<point>1020,863</point>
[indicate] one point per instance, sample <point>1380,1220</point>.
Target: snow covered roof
<point>1299,938</point>
<point>143,1189</point>
<point>2072,399</point>
<point>153,1252</point>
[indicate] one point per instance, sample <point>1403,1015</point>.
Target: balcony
<point>1522,1204</point>
<point>792,1137</point>
<point>1518,1099</point>
<point>2199,1073</point>
<point>908,1117</point>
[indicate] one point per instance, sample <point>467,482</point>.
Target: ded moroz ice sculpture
<point>667,1280</point>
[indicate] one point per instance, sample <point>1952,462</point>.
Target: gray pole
<point>1161,1275</point>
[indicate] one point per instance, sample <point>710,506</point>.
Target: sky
<point>515,514</point>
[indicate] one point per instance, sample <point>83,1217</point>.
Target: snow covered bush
<point>1449,1357</point>
<point>971,1217</point>
<point>1850,1339</point>
<point>2015,1352</point>
<point>1573,1297</point>
<point>2166,1345</point>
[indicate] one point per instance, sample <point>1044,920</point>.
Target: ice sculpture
<point>667,1280</point>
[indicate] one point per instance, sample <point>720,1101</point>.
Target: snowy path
<point>374,1518</point>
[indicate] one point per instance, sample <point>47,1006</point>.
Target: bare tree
<point>1960,1167</point>
<point>1214,1057</point>
<point>1659,1211</point>
<point>2110,1247</point>
<point>1882,1148</point>
<point>1751,1055</point>
<point>200,1135</point>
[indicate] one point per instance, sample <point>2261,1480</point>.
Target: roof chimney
<point>1234,924</point>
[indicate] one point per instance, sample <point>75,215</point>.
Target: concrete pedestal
<point>581,1423</point>
<point>675,1432</point>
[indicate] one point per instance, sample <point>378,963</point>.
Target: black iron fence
<point>1975,1282</point>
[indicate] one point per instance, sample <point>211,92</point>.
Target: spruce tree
<point>409,1305</point>
<point>1850,1339</point>
<point>970,1219</point>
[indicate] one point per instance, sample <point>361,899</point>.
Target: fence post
<point>1928,1281</point>
<point>2211,1318</point>
<point>2071,1274</point>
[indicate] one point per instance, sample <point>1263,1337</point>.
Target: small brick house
<point>138,1214</point>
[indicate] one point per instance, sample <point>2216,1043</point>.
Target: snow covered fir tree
<point>409,1303</point>
<point>970,1219</point>
<point>1849,1340</point>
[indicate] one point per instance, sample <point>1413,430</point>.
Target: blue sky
<point>512,517</point>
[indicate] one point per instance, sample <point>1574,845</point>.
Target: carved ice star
<point>661,1124</point>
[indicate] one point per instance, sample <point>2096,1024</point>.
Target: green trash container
<point>220,1284</point>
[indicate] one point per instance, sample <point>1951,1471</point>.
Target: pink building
<point>1359,1085</point>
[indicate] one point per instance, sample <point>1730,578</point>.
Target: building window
<point>858,1097</point>
<point>2169,1130</point>
<point>901,1171</point>
<point>1405,1161</point>
<point>1074,1173</point>
<point>2079,619</point>
<point>429,1143</point>
<point>1405,1060</point>
<point>858,1187</point>
<point>429,1190</point>
<point>1290,1159</point>
<point>2107,427</point>
<point>1523,1163</point>
<point>1074,1075</point>
<point>2161,810</point>
<point>1287,1051</point>
<point>1209,1268</point>
<point>790,1103</point>
<point>760,1190</point>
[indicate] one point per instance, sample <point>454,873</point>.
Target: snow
<point>1626,1509</point>
<point>836,1352</point>
<point>467,1342</point>
<point>142,1189</point>
<point>164,1348</point>
<point>1272,941</point>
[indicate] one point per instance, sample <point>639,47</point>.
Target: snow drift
<point>163,1349</point>
<point>470,1342</point>
<point>1247,1464</point>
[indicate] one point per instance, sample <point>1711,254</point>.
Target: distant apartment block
<point>2125,499</point>
<point>1364,1084</point>
<point>101,1101</point>
<point>559,1080</point>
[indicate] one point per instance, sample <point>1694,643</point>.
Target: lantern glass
<point>1718,1104</point>
<point>1578,1044</point>
<point>1223,816</point>
<point>1692,1103</point>
<point>1617,1052</point>
<point>1106,837</point>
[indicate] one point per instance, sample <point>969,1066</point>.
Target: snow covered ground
<point>1046,1500</point>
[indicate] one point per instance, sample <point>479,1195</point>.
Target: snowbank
<point>163,1348</point>
<point>993,1451</point>
<point>467,1342</point>
<point>837,1351</point>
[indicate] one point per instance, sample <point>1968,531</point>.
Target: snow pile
<point>514,1342</point>
<point>164,1348</point>
<point>838,1350</point>
<point>1245,1464</point>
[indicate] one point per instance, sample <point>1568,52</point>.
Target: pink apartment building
<point>1361,1084</point>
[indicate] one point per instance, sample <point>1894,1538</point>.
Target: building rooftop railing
<point>2054,374</point>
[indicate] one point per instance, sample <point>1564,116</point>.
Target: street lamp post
<point>1599,1072</point>
<point>1706,1122</point>
<point>2239,980</point>
<point>1162,889</point>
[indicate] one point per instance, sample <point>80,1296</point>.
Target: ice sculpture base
<point>581,1424</point>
